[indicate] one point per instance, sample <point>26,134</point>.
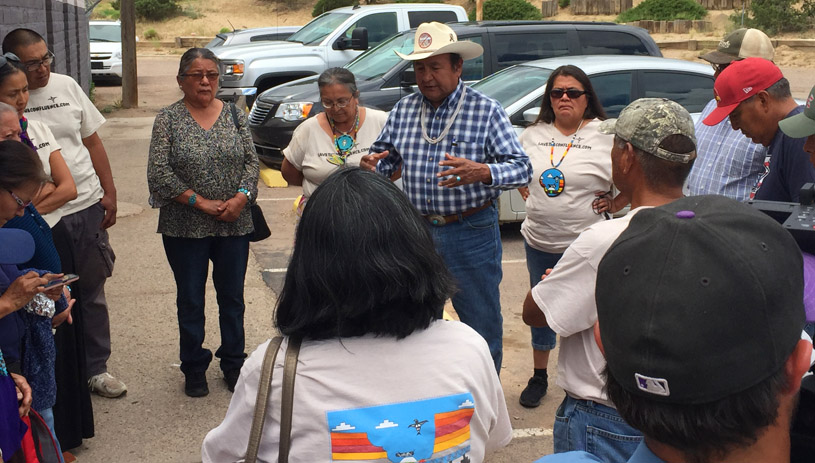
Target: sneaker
<point>231,379</point>
<point>106,385</point>
<point>195,384</point>
<point>534,392</point>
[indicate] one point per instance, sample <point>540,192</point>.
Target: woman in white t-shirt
<point>333,139</point>
<point>380,376</point>
<point>61,187</point>
<point>571,162</point>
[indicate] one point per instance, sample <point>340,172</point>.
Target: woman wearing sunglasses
<point>333,139</point>
<point>572,162</point>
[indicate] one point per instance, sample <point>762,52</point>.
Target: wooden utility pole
<point>130,85</point>
<point>479,10</point>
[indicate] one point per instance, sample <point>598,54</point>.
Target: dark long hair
<point>364,262</point>
<point>194,53</point>
<point>594,110</point>
<point>19,165</point>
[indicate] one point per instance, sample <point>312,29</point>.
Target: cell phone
<point>68,278</point>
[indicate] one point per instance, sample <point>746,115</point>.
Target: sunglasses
<point>211,76</point>
<point>9,59</point>
<point>719,67</point>
<point>22,204</point>
<point>572,93</point>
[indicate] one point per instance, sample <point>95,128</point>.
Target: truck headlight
<point>293,111</point>
<point>233,68</point>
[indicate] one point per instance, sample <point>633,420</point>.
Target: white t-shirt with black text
<point>553,222</point>
<point>67,111</point>
<point>43,139</point>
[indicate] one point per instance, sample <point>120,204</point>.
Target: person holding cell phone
<point>571,162</point>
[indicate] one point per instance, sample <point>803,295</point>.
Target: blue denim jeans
<point>537,262</point>
<point>471,248</point>
<point>189,259</point>
<point>47,415</point>
<point>594,428</point>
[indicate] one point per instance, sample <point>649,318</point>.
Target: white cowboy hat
<point>435,38</point>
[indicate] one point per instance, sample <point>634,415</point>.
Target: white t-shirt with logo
<point>431,396</point>
<point>44,141</point>
<point>312,150</point>
<point>566,297</point>
<point>67,111</point>
<point>552,223</point>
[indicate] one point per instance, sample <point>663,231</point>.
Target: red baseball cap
<point>738,82</point>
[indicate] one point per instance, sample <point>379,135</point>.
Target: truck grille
<point>259,112</point>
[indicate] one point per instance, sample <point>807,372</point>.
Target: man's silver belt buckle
<point>437,220</point>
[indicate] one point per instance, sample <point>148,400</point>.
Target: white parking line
<point>530,432</point>
<point>276,199</point>
<point>275,270</point>
<point>514,261</point>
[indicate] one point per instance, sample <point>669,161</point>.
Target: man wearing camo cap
<point>653,151</point>
<point>728,163</point>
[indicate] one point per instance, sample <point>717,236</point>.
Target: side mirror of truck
<point>408,78</point>
<point>359,40</point>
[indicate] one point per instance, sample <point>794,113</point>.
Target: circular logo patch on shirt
<point>425,40</point>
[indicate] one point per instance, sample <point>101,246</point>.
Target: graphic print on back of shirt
<point>429,430</point>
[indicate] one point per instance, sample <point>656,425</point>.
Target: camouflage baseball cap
<point>802,124</point>
<point>646,122</point>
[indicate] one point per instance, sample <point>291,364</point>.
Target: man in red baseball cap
<point>756,96</point>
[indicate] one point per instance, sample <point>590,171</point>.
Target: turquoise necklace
<point>346,140</point>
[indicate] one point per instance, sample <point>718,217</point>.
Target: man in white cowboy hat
<point>456,150</point>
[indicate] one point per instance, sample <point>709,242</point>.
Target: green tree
<point>775,16</point>
<point>663,10</point>
<point>508,9</point>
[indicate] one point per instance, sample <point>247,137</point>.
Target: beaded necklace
<point>552,180</point>
<point>345,142</point>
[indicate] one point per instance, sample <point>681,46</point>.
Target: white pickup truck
<point>332,39</point>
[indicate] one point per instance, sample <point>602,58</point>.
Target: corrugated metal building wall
<point>63,24</point>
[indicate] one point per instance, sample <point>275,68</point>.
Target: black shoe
<point>231,379</point>
<point>534,392</point>
<point>195,384</point>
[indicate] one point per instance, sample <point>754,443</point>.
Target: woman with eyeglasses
<point>571,160</point>
<point>333,139</point>
<point>202,173</point>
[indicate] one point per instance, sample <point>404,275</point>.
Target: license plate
<point>96,65</point>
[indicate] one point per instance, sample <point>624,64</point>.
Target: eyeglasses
<point>336,104</point>
<point>32,66</point>
<point>22,204</point>
<point>211,76</point>
<point>572,93</point>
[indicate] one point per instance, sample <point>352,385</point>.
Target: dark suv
<point>383,78</point>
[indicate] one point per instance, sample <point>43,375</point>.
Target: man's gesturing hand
<point>369,161</point>
<point>464,171</point>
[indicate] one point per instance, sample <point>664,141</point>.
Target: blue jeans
<point>537,262</point>
<point>471,248</point>
<point>189,259</point>
<point>594,428</point>
<point>47,415</point>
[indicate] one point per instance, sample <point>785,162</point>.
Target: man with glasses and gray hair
<point>58,101</point>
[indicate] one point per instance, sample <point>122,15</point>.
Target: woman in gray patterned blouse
<point>203,173</point>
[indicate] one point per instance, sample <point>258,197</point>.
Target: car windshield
<point>216,42</point>
<point>318,28</point>
<point>105,33</point>
<point>513,83</point>
<point>380,59</point>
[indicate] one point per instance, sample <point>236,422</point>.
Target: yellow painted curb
<point>271,177</point>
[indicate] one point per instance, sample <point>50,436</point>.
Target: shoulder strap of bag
<point>235,116</point>
<point>289,373</point>
<point>262,401</point>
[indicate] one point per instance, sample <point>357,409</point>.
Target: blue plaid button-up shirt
<point>481,132</point>
<point>727,162</point>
